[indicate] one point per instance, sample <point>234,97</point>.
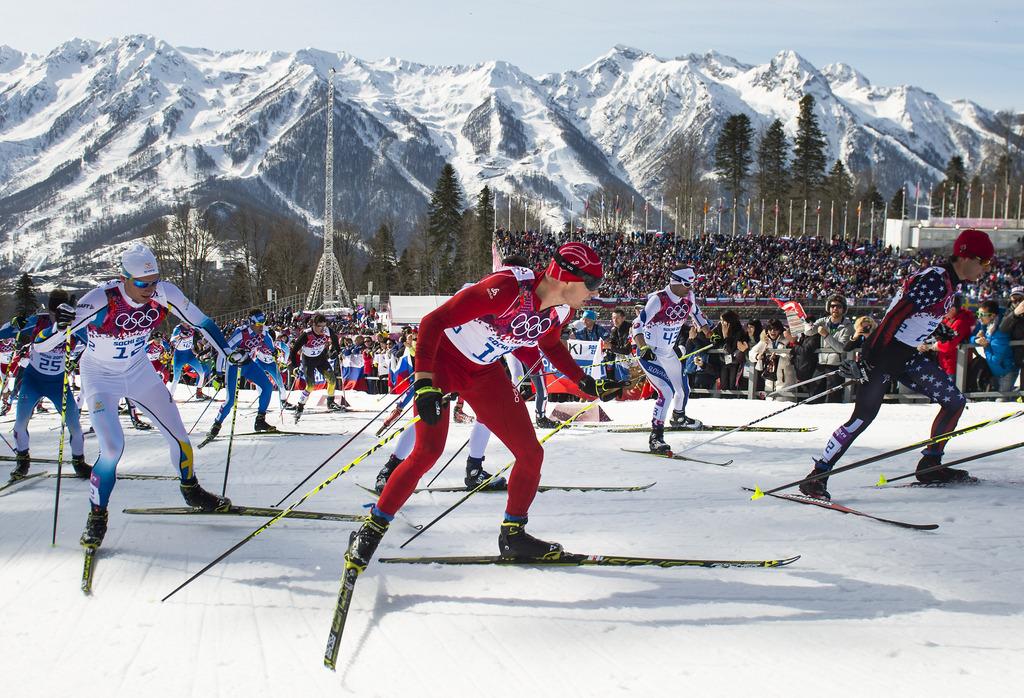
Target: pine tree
<point>444,228</point>
<point>808,151</point>
<point>25,299</point>
<point>484,233</point>
<point>952,189</point>
<point>874,198</point>
<point>772,162</point>
<point>732,155</point>
<point>382,267</point>
<point>837,186</point>
<point>897,205</point>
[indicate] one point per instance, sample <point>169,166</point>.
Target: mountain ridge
<point>101,135</point>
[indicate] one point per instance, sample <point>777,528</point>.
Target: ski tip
<point>882,482</point>
<point>757,493</point>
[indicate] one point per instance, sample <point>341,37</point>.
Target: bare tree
<point>184,244</point>
<point>684,167</point>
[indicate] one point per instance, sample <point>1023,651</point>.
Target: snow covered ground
<point>868,609</point>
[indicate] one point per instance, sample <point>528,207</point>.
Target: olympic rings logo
<point>529,326</point>
<point>677,312</point>
<point>140,319</point>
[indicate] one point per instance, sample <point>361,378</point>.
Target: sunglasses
<point>589,280</point>
<point>985,263</point>
<point>142,284</point>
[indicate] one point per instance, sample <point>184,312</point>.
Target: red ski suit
<point>461,343</point>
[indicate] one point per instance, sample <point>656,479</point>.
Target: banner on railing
<point>586,355</point>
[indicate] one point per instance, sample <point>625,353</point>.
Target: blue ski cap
<point>685,276</point>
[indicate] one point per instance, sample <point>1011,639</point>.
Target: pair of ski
<point>675,456</point>
<point>275,432</point>
<point>89,563</point>
<point>637,428</point>
<point>540,488</point>
<point>14,482</point>
<point>351,574</point>
<point>835,506</point>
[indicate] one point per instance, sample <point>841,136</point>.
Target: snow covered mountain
<point>96,139</point>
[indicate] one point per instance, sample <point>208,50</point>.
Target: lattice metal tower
<point>328,284</point>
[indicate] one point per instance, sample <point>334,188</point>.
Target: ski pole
<point>202,414</point>
<point>231,436</point>
<point>13,449</point>
<point>292,507</point>
<point>395,386</point>
<point>801,383</point>
<point>350,440</point>
<point>767,416</point>
<point>63,421</point>
<point>758,493</point>
<point>882,481</point>
<point>483,485</point>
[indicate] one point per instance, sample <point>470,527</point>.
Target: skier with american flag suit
<point>897,350</point>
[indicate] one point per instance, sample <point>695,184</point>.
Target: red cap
<point>973,243</point>
<point>578,255</point>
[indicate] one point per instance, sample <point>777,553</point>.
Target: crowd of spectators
<point>755,266</point>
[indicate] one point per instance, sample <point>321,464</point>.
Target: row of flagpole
<point>709,216</point>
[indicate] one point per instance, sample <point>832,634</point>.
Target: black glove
<point>18,322</point>
<point>238,357</point>
<point>944,333</point>
<point>646,352</point>
<point>604,388</point>
<point>680,350</point>
<point>717,341</point>
<point>428,400</point>
<point>65,316</point>
<point>856,370</point>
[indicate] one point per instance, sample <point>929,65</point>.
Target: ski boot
<point>385,473</point>
<point>363,543</point>
<point>515,543</point>
<point>285,405</point>
<point>928,471</point>
<point>214,430</point>
<point>656,442</point>
<point>476,476</point>
<point>544,422</point>
<point>260,425</point>
<point>195,496</point>
<point>332,406</point>
<point>95,527</point>
<point>681,421</point>
<point>82,469</point>
<point>201,396</point>
<point>460,417</point>
<point>139,424</point>
<point>22,461</point>
<point>40,409</point>
<point>298,411</point>
<point>816,488</point>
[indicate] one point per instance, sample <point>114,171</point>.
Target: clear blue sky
<point>955,49</point>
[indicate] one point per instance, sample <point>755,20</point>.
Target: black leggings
<point>922,375</point>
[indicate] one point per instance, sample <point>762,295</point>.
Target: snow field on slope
<point>869,607</point>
